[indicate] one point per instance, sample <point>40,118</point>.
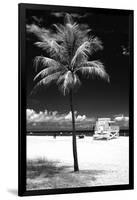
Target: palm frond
<point>94,68</point>
<point>44,62</point>
<point>50,46</point>
<point>55,51</point>
<point>68,19</point>
<point>77,81</point>
<point>82,52</point>
<point>42,33</point>
<point>70,36</point>
<point>46,81</point>
<point>85,49</point>
<point>68,81</point>
<point>95,44</point>
<point>59,27</point>
<point>45,72</point>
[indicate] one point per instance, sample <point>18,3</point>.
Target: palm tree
<point>68,47</point>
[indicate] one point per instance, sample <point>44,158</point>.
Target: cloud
<point>79,16</point>
<point>81,118</point>
<point>33,116</point>
<point>55,116</point>
<point>68,116</point>
<point>75,15</point>
<point>121,117</point>
<point>57,14</point>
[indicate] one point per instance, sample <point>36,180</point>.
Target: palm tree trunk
<point>74,142</point>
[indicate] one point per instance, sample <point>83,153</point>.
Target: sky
<point>95,98</point>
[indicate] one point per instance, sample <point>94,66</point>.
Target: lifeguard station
<point>105,129</point>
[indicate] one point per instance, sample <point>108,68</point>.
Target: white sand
<point>110,156</point>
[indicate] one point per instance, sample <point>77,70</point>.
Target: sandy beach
<point>106,162</point>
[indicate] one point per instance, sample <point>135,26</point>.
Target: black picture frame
<point>22,103</point>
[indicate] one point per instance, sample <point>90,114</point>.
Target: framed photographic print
<point>75,99</point>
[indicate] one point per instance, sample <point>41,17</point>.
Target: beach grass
<point>45,174</point>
